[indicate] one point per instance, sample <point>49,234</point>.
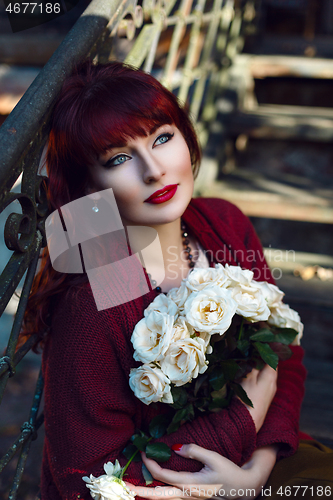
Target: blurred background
<point>269,152</point>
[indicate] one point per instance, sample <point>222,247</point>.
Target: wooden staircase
<point>289,202</point>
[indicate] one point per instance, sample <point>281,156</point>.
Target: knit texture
<point>90,411</point>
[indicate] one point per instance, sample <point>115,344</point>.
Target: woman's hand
<point>218,478</point>
<point>260,387</point>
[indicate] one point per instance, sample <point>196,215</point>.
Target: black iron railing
<point>213,29</point>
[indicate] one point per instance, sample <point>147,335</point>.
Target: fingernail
<point>176,447</point>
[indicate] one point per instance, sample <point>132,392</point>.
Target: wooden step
<point>281,122</point>
<point>319,46</point>
<point>272,204</point>
<point>240,113</point>
<point>262,66</point>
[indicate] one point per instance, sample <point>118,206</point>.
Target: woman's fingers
<point>206,457</point>
<point>166,475</point>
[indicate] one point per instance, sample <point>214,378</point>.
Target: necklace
<point>188,250</point>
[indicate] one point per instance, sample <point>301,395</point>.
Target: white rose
<point>184,360</point>
<point>150,384</point>
<point>151,336</point>
<point>211,310</point>
<point>181,330</point>
<point>251,303</point>
<point>273,295</point>
<point>285,317</point>
<point>163,304</point>
<point>179,295</point>
<point>200,278</point>
<point>206,337</point>
<point>236,275</point>
<point>108,486</point>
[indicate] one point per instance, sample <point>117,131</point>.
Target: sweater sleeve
<point>91,413</point>
<point>282,420</point>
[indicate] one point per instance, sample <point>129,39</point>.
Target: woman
<point>115,127</point>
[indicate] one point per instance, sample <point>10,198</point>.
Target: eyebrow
<point>119,145</point>
<point>155,127</point>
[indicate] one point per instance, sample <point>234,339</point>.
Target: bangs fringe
<point>118,117</point>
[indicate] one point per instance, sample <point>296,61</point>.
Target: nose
<point>152,168</point>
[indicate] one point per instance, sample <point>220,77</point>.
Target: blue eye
<point>116,160</point>
<point>163,138</point>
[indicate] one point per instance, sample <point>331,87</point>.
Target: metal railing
<point>202,39</point>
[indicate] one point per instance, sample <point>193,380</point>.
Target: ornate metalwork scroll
<point>187,45</point>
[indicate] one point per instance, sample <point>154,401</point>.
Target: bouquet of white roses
<point>199,339</point>
<point>196,343</point>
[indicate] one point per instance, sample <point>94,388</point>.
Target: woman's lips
<point>162,195</point>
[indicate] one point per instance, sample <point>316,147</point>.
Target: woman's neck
<point>170,269</point>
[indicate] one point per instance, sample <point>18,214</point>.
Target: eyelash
<point>168,135</point>
<point>111,162</point>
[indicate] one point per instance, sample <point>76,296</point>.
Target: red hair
<point>98,105</point>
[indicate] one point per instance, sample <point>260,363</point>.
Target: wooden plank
<point>281,66</point>
<point>282,122</point>
<point>312,293</point>
<point>320,46</point>
<point>271,205</point>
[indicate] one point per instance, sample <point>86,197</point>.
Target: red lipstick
<point>163,195</point>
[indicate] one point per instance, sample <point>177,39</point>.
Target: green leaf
<point>217,379</point>
<point>199,382</point>
<point>285,335</point>
<point>230,369</point>
<point>264,335</point>
<point>140,442</point>
<point>227,370</point>
<point>129,452</point>
<point>219,394</point>
<point>201,404</point>
<point>267,354</point>
<point>135,436</point>
<point>173,427</point>
<point>158,451</point>
<point>158,426</point>
<point>241,394</point>
<point>230,341</point>
<point>243,345</point>
<point>179,395</point>
<point>182,414</point>
<point>146,475</point>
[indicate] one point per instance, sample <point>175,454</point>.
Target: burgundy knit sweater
<point>90,411</point>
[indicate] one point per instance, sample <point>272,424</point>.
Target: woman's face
<point>144,168</point>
